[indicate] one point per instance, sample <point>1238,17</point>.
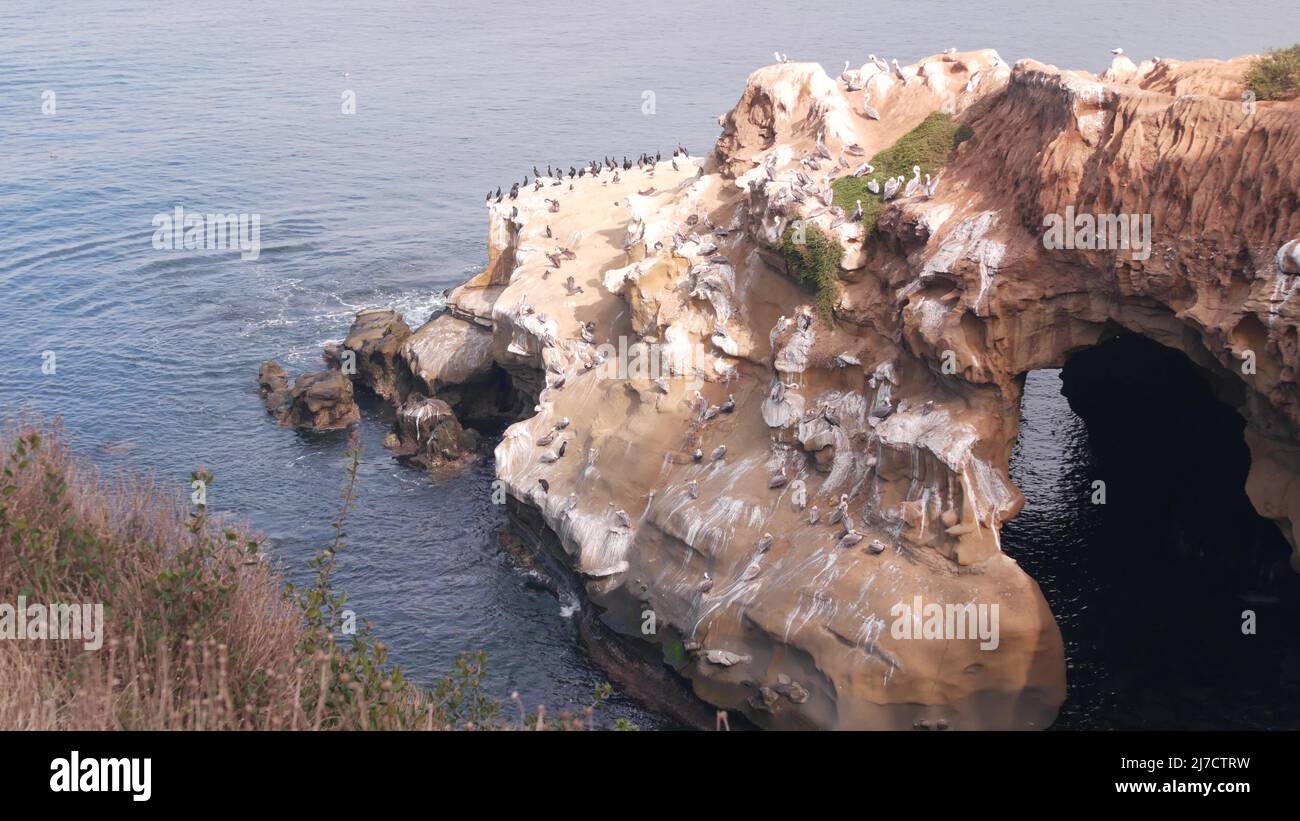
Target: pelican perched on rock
<point>765,542</point>
<point>891,187</point>
<point>781,58</point>
<point>841,510</point>
<point>814,514</point>
<point>864,169</point>
<point>849,539</point>
<point>718,452</point>
<point>870,110</point>
<point>913,183</point>
<point>1117,51</point>
<point>693,489</point>
<point>930,185</point>
<point>898,71</point>
<point>853,79</point>
<point>873,186</point>
<point>880,63</point>
<point>857,212</point>
<point>729,405</point>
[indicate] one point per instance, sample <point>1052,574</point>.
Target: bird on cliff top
<point>814,514</point>
<point>693,489</point>
<point>1117,51</point>
<point>765,542</point>
<point>891,187</point>
<point>698,455</point>
<point>857,212</point>
<point>930,186</point>
<point>621,517</point>
<point>718,452</point>
<point>898,71</point>
<point>562,424</point>
<point>707,584</point>
<point>547,439</point>
<point>913,183</point>
<point>873,186</point>
<point>729,405</point>
<point>780,58</point>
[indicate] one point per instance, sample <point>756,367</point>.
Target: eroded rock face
<point>315,401</point>
<point>768,489</point>
<point>376,339</point>
<point>428,433</point>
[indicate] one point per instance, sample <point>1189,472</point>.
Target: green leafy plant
<point>815,262</point>
<point>1275,76</point>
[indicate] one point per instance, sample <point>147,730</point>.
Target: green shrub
<point>815,262</point>
<point>1275,76</point>
<point>928,145</point>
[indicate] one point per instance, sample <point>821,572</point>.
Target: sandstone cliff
<point>685,407</point>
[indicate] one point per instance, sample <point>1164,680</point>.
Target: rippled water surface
<point>235,107</point>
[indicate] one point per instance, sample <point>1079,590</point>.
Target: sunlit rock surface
<point>661,475</point>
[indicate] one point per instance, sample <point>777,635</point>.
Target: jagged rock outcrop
<point>376,340</point>
<point>766,489</point>
<point>430,436</point>
<point>315,401</point>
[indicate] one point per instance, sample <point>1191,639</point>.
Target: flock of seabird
<point>555,175</point>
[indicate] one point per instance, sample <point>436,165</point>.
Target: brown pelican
<point>857,213</point>
<point>814,514</point>
<point>877,546</point>
<point>849,539</point>
<point>778,479</point>
<point>693,489</point>
<point>562,424</point>
<point>891,187</point>
<point>930,185</point>
<point>841,510</point>
<point>729,405</point>
<point>707,584</point>
<point>718,452</point>
<point>913,183</point>
<point>765,542</point>
<point>873,186</point>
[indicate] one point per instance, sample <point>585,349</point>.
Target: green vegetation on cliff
<point>815,262</point>
<point>1276,76</point>
<point>928,146</point>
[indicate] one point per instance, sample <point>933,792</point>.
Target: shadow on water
<point>1151,588</point>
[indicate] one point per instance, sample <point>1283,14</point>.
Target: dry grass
<point>200,633</point>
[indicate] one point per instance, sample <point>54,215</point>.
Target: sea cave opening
<point>1152,572</point>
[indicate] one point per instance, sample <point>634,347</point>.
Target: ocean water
<point>237,108</point>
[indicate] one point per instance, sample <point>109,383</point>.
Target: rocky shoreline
<point>762,473</point>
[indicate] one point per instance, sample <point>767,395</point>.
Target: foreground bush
<point>199,631</point>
